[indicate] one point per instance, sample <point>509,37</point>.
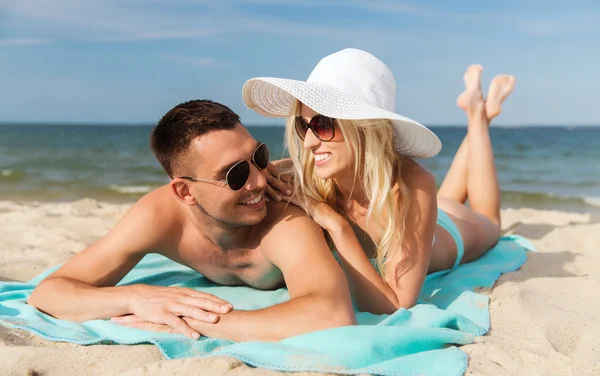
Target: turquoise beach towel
<point>420,340</point>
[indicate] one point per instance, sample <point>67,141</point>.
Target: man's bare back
<point>213,217</point>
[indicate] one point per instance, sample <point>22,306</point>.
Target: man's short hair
<point>170,140</point>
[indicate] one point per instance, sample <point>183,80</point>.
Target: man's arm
<point>320,297</point>
<point>84,288</point>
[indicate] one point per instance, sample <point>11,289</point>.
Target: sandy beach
<point>544,316</point>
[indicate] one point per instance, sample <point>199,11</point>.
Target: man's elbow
<point>40,294</point>
<point>339,313</point>
<point>42,297</point>
<point>345,318</point>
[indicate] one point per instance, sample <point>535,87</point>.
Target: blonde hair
<point>375,161</point>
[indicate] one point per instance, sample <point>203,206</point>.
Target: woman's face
<point>332,158</point>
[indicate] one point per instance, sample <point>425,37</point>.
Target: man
<point>212,217</point>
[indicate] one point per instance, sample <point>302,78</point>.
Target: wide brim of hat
<point>274,97</point>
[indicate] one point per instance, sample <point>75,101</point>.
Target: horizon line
<point>257,125</point>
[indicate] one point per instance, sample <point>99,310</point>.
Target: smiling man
<point>212,217</point>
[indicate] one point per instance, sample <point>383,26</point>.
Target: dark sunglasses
<point>238,174</point>
<point>323,127</point>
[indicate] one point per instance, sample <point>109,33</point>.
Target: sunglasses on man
<point>237,176</point>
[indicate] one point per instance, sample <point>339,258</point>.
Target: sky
<point>130,61</point>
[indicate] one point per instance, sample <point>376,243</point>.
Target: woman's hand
<point>278,183</point>
<point>323,214</point>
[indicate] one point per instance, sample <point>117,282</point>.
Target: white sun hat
<point>350,84</point>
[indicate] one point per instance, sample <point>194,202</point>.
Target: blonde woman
<point>355,174</point>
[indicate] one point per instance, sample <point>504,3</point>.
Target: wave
<point>593,201</point>
<point>11,175</point>
<point>535,182</point>
<point>542,199</point>
<point>131,189</point>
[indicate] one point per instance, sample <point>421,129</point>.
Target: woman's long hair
<point>376,167</point>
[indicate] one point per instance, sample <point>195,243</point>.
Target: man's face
<point>210,157</point>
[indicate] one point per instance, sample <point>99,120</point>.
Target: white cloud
<point>575,23</point>
<point>382,6</point>
<point>146,20</point>
<point>199,61</point>
<point>308,3</point>
<point>98,15</point>
<point>23,42</point>
<point>105,20</point>
<point>541,28</point>
<point>158,35</point>
<point>132,20</point>
<point>389,6</point>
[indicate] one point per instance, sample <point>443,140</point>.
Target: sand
<point>545,316</point>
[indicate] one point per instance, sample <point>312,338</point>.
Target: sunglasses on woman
<point>238,174</point>
<point>323,127</point>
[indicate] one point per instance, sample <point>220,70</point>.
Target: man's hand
<point>166,305</point>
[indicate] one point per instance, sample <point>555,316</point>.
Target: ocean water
<point>538,167</point>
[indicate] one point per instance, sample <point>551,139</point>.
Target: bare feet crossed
<point>500,88</point>
<point>471,100</point>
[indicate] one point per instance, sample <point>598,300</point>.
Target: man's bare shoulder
<point>159,198</point>
<point>279,213</point>
<point>283,219</point>
<point>147,227</point>
<point>157,212</point>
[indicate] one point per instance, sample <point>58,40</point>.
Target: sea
<point>541,167</point>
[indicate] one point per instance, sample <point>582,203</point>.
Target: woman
<point>355,174</point>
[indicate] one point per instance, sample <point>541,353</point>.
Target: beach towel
<point>420,340</point>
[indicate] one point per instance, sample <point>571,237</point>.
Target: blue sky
<point>129,61</point>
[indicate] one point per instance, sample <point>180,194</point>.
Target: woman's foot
<point>471,100</point>
<point>500,88</point>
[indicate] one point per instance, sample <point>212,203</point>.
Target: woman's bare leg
<point>482,179</point>
<point>478,225</point>
<point>454,186</point>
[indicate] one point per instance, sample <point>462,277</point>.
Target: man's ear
<point>181,189</point>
